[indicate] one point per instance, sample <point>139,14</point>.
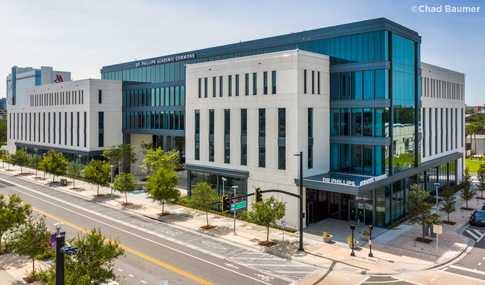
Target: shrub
<point>365,233</point>
<point>349,239</point>
<point>325,234</point>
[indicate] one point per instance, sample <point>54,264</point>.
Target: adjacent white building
<point>78,118</point>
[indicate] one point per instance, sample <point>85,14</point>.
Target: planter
<point>365,238</point>
<point>327,239</point>
<point>145,190</point>
<point>356,244</point>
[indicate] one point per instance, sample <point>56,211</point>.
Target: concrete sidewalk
<point>395,251</point>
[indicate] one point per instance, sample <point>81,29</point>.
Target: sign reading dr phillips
<point>353,183</point>
<point>166,59</point>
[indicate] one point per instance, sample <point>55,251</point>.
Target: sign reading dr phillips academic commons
<point>166,59</point>
<point>351,182</point>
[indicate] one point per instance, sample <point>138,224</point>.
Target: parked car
<point>483,207</point>
<point>477,218</point>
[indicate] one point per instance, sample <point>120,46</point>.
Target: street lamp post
<point>352,227</point>
<point>234,188</point>
<point>371,227</point>
<point>112,175</point>
<point>437,205</point>
<point>59,256</point>
<point>301,200</point>
<point>223,181</point>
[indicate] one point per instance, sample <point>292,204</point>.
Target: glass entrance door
<point>357,211</point>
<point>310,212</point>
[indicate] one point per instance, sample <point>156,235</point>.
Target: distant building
<point>3,105</point>
<point>476,109</point>
<point>22,78</point>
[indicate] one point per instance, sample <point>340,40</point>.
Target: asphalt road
<point>151,255</point>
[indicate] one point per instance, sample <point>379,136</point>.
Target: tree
<point>418,207</point>
<point>94,265</point>
<point>20,158</point>
<point>54,163</point>
<point>31,239</point>
<point>202,196</point>
<point>161,186</point>
<point>449,200</point>
<point>113,155</point>
<point>469,130</point>
<point>3,131</point>
<point>267,213</point>
<point>145,147</point>
<point>74,171</point>
<point>481,179</point>
<point>6,158</point>
<point>125,183</point>
<point>13,213</point>
<point>35,162</point>
<point>97,173</point>
<point>466,187</point>
<point>128,155</point>
<point>157,158</point>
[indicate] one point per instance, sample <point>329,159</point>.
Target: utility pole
<point>301,200</point>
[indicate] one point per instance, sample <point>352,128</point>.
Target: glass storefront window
<point>356,122</point>
<point>356,85</point>
<point>368,122</point>
<point>345,158</point>
<point>369,84</point>
<point>334,157</point>
<point>382,122</point>
<point>344,121</point>
<point>368,159</point>
<point>344,85</point>
<point>334,122</point>
<point>357,159</point>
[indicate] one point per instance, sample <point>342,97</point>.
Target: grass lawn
<point>473,165</point>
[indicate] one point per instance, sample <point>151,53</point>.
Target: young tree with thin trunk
<point>449,200</point>
<point>267,213</point>
<point>35,162</point>
<point>31,239</point>
<point>467,191</point>
<point>54,163</point>
<point>97,173</point>
<point>161,186</point>
<point>418,208</point>
<point>127,154</point>
<point>202,196</point>
<point>125,183</point>
<point>481,179</point>
<point>74,171</point>
<point>20,158</point>
<point>13,213</point>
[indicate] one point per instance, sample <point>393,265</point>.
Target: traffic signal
<point>259,196</point>
<point>225,204</point>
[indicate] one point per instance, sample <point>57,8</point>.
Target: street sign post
<point>437,229</point>
<point>238,206</point>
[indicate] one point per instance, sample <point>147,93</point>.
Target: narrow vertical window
<point>255,83</point>
<point>424,132</point>
<point>100,129</point>
<point>310,138</point>
<point>72,128</point>
<point>227,136</point>
<point>262,138</point>
<point>100,95</point>
<point>65,128</point>
<point>237,84</point>
<point>77,129</point>
<point>214,86</point>
<point>197,133</point>
<point>229,85</point>
<point>85,127</point>
<point>48,127</point>
<point>244,133</point>
<point>282,138</point>
<point>304,81</point>
<point>205,87</point>
<point>221,87</point>
<point>273,82</point>
<point>265,83</point>
<point>211,135</point>
<point>246,84</point>
<point>313,82</point>
<point>200,88</point>
<point>462,126</point>
<point>54,127</point>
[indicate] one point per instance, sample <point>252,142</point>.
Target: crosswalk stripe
<point>478,232</point>
<point>472,234</point>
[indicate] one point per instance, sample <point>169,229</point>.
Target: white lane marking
<point>230,265</point>
<point>434,278</point>
<point>154,242</point>
<point>264,277</point>
<point>467,269</point>
<point>472,234</point>
<point>131,275</point>
<point>482,235</point>
<point>459,275</point>
<point>408,281</point>
<point>143,281</point>
<point>119,269</point>
<point>361,281</point>
<point>479,263</point>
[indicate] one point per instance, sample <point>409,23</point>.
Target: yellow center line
<point>130,250</point>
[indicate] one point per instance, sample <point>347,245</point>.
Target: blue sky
<point>83,36</point>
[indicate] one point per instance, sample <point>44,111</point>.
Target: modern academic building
<point>369,117</point>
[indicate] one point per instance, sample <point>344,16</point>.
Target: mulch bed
<point>164,214</point>
<point>8,169</point>
<point>74,188</point>
<point>126,204</point>
<point>424,240</point>
<point>467,209</point>
<point>29,279</point>
<point>100,195</point>
<point>267,244</point>
<point>449,223</point>
<point>207,227</point>
<point>480,198</point>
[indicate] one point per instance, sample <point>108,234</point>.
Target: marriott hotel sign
<point>166,59</point>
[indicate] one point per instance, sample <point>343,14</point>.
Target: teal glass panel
<point>334,157</point>
<point>176,119</point>
<point>345,161</point>
<point>356,122</point>
<point>334,86</point>
<point>368,159</point>
<point>182,95</point>
<point>357,159</point>
<point>368,122</point>
<point>378,46</point>
<point>166,72</point>
<point>359,48</point>
<point>345,86</point>
<point>382,83</point>
<point>344,121</point>
<point>369,84</point>
<point>172,96</point>
<point>382,122</point>
<point>334,122</point>
<point>162,96</point>
<point>172,71</point>
<point>371,47</point>
<point>177,95</point>
<point>353,57</point>
<point>365,47</point>
<point>348,49</point>
<point>343,58</point>
<point>356,86</point>
<point>167,96</point>
<point>182,120</point>
<point>157,96</point>
<point>154,99</point>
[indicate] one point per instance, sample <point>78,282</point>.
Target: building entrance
<point>356,211</point>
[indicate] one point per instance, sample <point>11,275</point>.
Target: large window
<point>244,133</point>
<point>205,87</point>
<point>265,83</point>
<point>262,138</point>
<point>273,76</point>
<point>229,86</point>
<point>227,134</point>
<point>255,83</point>
<point>100,129</point>
<point>221,85</point>
<point>211,135</point>
<point>310,138</point>
<point>246,83</point>
<point>237,84</point>
<point>281,138</point>
<point>304,81</point>
<point>214,86</point>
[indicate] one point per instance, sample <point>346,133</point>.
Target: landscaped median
<point>393,256</point>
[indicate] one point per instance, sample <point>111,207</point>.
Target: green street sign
<point>238,205</point>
